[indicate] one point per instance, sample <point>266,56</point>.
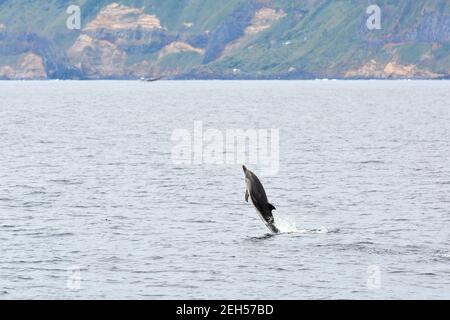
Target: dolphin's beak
<point>244,168</point>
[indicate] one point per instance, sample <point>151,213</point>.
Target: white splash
<point>287,224</point>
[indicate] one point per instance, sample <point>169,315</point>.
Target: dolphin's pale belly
<point>248,184</point>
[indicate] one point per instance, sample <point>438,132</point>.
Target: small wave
<point>25,186</point>
<point>427,274</point>
<point>198,221</point>
<point>66,182</point>
<point>442,255</point>
<point>111,259</point>
<point>264,237</point>
<point>321,230</point>
<point>61,234</point>
<point>372,162</point>
<point>155,258</point>
<point>32,204</point>
<point>33,193</point>
<point>45,142</point>
<point>40,234</point>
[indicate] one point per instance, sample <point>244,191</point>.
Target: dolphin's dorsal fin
<point>271,206</point>
<point>246,195</point>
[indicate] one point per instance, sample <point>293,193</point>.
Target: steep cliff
<point>128,39</point>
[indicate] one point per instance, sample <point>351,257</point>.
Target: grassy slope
<point>332,38</point>
<point>329,39</point>
<point>49,17</point>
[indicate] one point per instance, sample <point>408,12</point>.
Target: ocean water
<point>93,204</point>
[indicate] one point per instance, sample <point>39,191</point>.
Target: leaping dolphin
<point>256,192</point>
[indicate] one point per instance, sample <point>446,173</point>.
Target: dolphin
<point>255,191</point>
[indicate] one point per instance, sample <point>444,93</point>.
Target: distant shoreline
<point>229,79</point>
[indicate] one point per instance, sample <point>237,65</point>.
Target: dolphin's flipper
<point>271,206</point>
<point>246,195</point>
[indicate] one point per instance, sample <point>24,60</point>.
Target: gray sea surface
<point>93,205</point>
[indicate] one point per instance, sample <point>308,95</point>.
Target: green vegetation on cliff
<point>225,39</point>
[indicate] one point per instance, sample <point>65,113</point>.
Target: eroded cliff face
<point>97,58</point>
<point>29,66</point>
<point>178,46</point>
<point>119,17</point>
<point>124,42</point>
<point>252,39</point>
<point>100,50</point>
<point>426,36</point>
<point>391,70</point>
<point>263,19</point>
